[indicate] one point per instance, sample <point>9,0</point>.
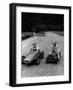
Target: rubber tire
<point>23,57</point>
<point>38,61</point>
<point>42,55</point>
<point>56,62</point>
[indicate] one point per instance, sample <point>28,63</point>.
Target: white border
<point>24,80</point>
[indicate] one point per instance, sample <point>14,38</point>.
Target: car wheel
<point>23,57</point>
<point>42,55</point>
<point>38,61</point>
<point>56,62</point>
<point>46,62</point>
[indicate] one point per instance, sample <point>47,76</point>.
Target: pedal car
<point>54,57</point>
<point>54,54</point>
<point>34,57</point>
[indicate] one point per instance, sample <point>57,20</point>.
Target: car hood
<point>30,56</point>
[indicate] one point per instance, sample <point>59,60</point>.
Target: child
<point>35,47</point>
<point>55,49</point>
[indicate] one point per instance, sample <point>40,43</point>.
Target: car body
<point>34,57</point>
<point>53,58</point>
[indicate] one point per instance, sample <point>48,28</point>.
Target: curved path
<point>44,43</point>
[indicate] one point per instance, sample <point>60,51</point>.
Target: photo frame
<point>35,32</point>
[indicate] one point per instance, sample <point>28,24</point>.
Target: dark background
<point>42,22</point>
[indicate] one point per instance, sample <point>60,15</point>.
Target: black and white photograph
<point>40,44</point>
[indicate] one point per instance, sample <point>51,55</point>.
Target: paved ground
<point>43,69</point>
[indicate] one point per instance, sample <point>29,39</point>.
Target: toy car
<point>34,57</point>
<point>53,58</point>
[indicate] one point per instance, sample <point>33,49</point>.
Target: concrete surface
<point>43,69</point>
